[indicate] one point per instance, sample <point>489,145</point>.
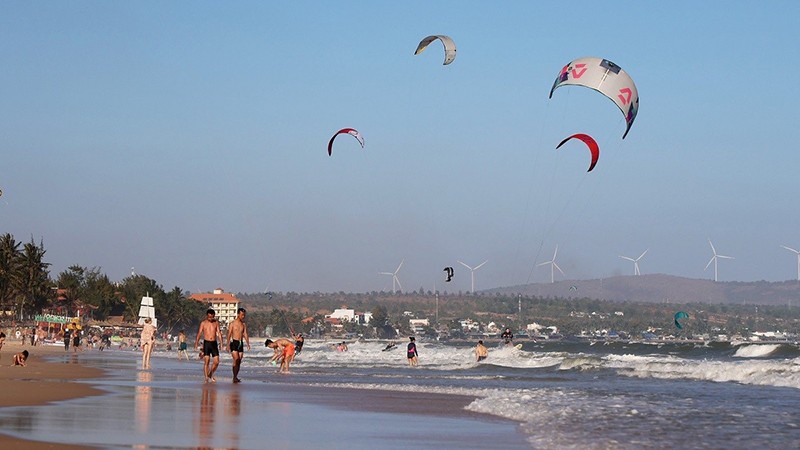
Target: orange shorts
<point>288,350</point>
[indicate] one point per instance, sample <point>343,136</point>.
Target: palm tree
<point>32,283</point>
<point>9,263</point>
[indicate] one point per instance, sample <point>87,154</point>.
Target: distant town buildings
<point>224,304</point>
<point>418,325</point>
<point>343,314</point>
<point>348,315</point>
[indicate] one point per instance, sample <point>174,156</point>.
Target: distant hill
<point>661,288</point>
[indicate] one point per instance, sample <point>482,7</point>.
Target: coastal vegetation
<point>27,288</point>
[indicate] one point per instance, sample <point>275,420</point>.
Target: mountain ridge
<point>662,288</point>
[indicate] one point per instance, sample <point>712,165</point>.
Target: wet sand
<point>171,407</point>
<point>41,382</point>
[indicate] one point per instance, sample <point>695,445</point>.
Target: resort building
<point>223,303</point>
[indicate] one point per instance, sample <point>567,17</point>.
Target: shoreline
<point>55,381</point>
<point>316,404</point>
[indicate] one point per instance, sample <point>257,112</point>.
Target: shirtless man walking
<point>237,338</point>
<point>209,330</point>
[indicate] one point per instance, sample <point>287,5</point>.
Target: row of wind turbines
<point>554,266</point>
<point>396,281</point>
<point>716,257</point>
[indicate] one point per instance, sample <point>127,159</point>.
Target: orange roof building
<point>224,304</point>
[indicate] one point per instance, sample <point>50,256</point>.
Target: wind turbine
<point>635,262</point>
<point>798,259</point>
<point>395,280</point>
<point>714,259</point>
<point>553,266</point>
<point>472,271</point>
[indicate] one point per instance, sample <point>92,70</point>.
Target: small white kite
<point>449,47</point>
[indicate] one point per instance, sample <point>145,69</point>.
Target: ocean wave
<point>755,364</point>
<point>755,350</point>
<point>763,373</point>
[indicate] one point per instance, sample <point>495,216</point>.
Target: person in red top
<point>412,352</point>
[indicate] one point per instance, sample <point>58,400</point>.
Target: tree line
<point>27,289</point>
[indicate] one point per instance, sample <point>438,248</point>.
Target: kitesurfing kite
<point>605,77</point>
<point>449,47</point>
<point>449,271</point>
<point>680,315</point>
<point>351,132</point>
<point>590,142</point>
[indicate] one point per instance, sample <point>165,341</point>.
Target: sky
<point>188,140</point>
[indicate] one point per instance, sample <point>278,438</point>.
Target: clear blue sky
<point>188,140</point>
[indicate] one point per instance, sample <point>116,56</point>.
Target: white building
<point>418,325</point>
<point>342,314</point>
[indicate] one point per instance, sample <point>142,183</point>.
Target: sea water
<point>561,395</point>
<point>580,395</point>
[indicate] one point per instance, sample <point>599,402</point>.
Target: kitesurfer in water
<point>390,346</point>
<point>507,336</point>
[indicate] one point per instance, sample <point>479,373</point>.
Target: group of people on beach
<point>212,339</point>
<point>284,349</point>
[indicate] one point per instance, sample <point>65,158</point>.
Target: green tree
<point>32,282</point>
<point>72,282</point>
<point>133,288</point>
<point>100,294</point>
<point>380,316</point>
<point>179,312</point>
<point>9,271</point>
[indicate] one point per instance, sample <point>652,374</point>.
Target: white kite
<point>605,77</point>
<point>449,47</point>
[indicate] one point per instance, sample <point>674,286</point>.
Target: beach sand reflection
<point>143,400</point>
<point>208,405</point>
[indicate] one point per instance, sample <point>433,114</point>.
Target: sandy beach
<point>41,382</point>
<point>171,407</point>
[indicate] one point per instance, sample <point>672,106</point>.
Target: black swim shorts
<point>210,348</point>
<point>237,346</point>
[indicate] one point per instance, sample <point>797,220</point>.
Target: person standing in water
<point>212,338</point>
<point>412,352</point>
<point>481,352</point>
<point>182,346</point>
<point>299,340</point>
<point>507,336</point>
<point>146,341</point>
<point>237,338</point>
